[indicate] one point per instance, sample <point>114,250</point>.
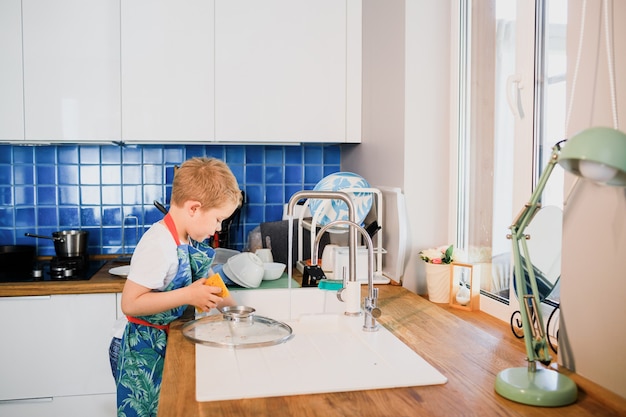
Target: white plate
<point>121,271</point>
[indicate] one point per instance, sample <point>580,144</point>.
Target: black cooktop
<point>50,273</point>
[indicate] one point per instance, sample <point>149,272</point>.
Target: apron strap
<point>136,320</point>
<point>169,222</point>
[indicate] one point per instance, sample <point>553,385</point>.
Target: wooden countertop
<point>101,282</point>
<point>469,348</point>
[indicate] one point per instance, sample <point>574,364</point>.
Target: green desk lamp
<point>598,154</point>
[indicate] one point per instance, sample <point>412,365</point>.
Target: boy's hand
<point>209,292</point>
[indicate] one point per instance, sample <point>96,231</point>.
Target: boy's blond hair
<point>207,180</point>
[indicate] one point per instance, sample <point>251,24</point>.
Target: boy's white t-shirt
<point>155,260</point>
<point>154,264</point>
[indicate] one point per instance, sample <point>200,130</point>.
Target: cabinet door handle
<point>27,297</point>
<point>27,400</point>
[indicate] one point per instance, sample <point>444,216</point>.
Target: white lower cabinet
<point>54,355</point>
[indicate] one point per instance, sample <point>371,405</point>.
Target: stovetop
<point>58,270</point>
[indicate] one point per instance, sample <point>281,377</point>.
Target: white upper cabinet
<point>11,80</point>
<point>167,70</point>
<point>71,70</point>
<point>288,70</point>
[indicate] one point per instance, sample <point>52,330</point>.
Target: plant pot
<point>438,282</point>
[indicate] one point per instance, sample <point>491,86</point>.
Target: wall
<point>44,189</point>
<point>406,128</point>
<point>592,341</point>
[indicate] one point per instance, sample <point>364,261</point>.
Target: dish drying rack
<point>307,223</point>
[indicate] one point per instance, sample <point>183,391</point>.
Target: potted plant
<point>438,262</point>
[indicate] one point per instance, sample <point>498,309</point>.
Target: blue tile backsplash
<point>109,190</point>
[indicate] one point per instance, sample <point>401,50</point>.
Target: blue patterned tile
<point>68,174</point>
<point>192,151</point>
<point>68,195</point>
<point>153,174</point>
<point>23,155</point>
<point>69,217</point>
<point>131,195</point>
<point>312,174</point>
<point>23,175</point>
<point>235,154</point>
<point>46,174</point>
<point>89,195</point>
<point>90,216</point>
<point>47,216</point>
<point>331,169</point>
<point>151,193</point>
<point>113,181</point>
<point>255,194</point>
<point>274,155</point>
<point>6,216</point>
<point>254,154</point>
<point>6,174</point>
<point>6,196</point>
<point>67,154</point>
<point>112,237</point>
<point>111,195</point>
<point>89,154</point>
<point>293,155</point>
<point>46,195</point>
<point>90,174</point>
<point>131,155</point>
<point>153,155</point>
<point>332,155</point>
<point>111,155</point>
<point>6,154</point>
<point>25,217</point>
<point>111,174</point>
<point>24,196</point>
<point>173,155</point>
<point>293,174</point>
<point>274,194</point>
<point>7,237</point>
<point>111,216</point>
<point>131,174</point>
<point>45,154</point>
<point>313,154</point>
<point>254,213</point>
<point>273,212</point>
<point>274,175</point>
<point>254,174</point>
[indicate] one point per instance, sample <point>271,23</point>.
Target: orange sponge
<point>216,281</point>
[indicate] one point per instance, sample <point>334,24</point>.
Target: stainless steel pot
<point>67,243</point>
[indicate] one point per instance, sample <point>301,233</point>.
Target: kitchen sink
<point>328,353</point>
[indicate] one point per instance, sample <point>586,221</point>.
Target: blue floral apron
<point>142,351</point>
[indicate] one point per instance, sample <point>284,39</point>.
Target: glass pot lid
<point>237,327</point>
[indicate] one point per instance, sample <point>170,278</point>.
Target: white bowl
<point>245,269</point>
<point>273,270</point>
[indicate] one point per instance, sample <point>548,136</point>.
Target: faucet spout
<point>330,195</point>
<point>372,312</point>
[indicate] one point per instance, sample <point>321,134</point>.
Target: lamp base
<point>542,387</point>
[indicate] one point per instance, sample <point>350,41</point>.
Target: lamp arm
<point>532,322</point>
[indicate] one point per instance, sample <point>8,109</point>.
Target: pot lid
<point>237,328</point>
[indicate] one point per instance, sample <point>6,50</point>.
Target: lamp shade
<point>597,153</point>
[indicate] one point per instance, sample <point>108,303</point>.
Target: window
<point>511,111</point>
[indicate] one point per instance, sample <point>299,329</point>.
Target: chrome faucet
<point>330,195</point>
<point>372,312</point>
